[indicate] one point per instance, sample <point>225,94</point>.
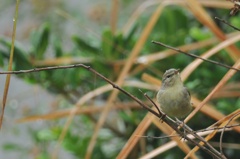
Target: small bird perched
<point>173,97</point>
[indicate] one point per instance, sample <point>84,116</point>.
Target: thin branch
<point>223,21</point>
<point>218,128</point>
<point>44,69</point>
<point>88,68</point>
<point>221,137</point>
<point>198,131</point>
<point>173,125</point>
<point>185,127</point>
<point>188,129</point>
<point>226,145</point>
<point>157,137</point>
<point>161,114</point>
<point>195,56</point>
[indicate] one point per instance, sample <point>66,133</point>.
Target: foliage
<point>107,56</point>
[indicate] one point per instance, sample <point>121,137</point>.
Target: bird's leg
<point>182,124</point>
<point>162,117</point>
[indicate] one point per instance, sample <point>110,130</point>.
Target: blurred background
<point>105,35</point>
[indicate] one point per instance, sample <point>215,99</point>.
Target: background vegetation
<point>125,42</point>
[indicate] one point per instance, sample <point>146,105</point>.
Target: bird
<point>173,97</point>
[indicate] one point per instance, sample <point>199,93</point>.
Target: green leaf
<point>235,22</point>
<point>46,135</point>
<point>57,48</point>
<point>118,46</point>
<point>84,45</point>
<point>1,59</point>
<point>128,118</point>
<point>20,60</point>
<point>40,40</point>
<point>170,21</point>
<point>129,36</point>
<point>11,147</point>
<point>107,43</point>
<point>199,34</point>
<point>42,155</point>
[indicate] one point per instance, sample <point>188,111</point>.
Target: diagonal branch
<point>224,21</point>
<point>195,56</point>
<point>173,125</point>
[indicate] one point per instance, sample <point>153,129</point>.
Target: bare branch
<point>223,21</point>
<point>157,137</point>
<point>221,137</point>
<point>188,129</point>
<point>214,153</point>
<point>195,56</point>
<point>161,114</point>
<point>218,128</point>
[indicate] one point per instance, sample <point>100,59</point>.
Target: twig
<point>157,137</point>
<point>161,114</point>
<point>185,127</point>
<point>223,21</point>
<point>88,68</point>
<point>218,128</point>
<point>221,137</point>
<point>44,69</point>
<point>169,122</point>
<point>195,56</point>
<point>215,152</point>
<point>202,139</point>
<point>198,131</point>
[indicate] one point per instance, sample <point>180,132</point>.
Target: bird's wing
<point>186,90</point>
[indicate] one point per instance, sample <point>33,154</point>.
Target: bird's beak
<point>177,71</point>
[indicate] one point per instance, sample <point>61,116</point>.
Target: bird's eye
<point>168,76</point>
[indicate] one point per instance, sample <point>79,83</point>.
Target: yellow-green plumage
<point>173,97</point>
